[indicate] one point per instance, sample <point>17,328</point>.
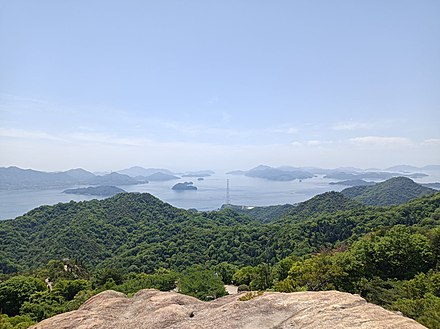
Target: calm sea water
<point>211,193</point>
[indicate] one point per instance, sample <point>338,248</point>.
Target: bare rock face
<point>152,309</point>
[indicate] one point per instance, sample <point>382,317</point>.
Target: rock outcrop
<point>150,308</point>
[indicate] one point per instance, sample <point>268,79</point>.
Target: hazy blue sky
<point>219,84</point>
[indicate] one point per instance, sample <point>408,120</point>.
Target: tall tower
<point>228,200</point>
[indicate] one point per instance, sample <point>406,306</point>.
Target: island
<point>98,191</point>
<point>161,177</point>
<point>353,182</point>
<point>186,186</point>
<point>200,173</point>
<point>274,174</point>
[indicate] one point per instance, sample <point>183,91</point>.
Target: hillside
<point>133,229</point>
<point>328,202</point>
<point>393,191</point>
<point>262,214</point>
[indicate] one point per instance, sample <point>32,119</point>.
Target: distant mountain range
<point>14,178</point>
<point>407,168</point>
<point>17,178</point>
<point>140,171</point>
<point>288,173</point>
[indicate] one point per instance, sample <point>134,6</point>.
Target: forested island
<point>97,190</point>
<point>186,186</point>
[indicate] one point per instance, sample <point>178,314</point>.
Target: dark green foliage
<point>329,202</point>
<point>225,271</point>
<point>15,291</point>
<point>261,277</point>
<point>262,214</point>
<point>393,191</point>
<point>69,288</point>
<point>140,233</point>
<point>102,276</point>
<point>43,304</point>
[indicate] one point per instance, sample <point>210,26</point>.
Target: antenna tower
<point>228,200</point>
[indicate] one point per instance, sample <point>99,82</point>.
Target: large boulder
<point>154,309</point>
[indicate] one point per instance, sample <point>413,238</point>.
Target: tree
<point>15,291</point>
<point>243,276</point>
<point>320,272</point>
<point>226,271</point>
<point>261,277</point>
<point>69,288</point>
<point>395,254</point>
<point>202,284</point>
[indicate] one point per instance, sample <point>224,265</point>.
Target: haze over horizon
<point>106,85</point>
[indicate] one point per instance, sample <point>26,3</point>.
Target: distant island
<point>394,191</point>
<point>432,185</point>
<point>274,174</point>
<point>353,182</point>
<point>98,191</point>
<point>381,175</point>
<point>200,173</point>
<point>186,186</point>
<point>161,177</point>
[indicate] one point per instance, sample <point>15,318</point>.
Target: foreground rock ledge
<point>151,308</point>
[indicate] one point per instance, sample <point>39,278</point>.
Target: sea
<point>211,193</point>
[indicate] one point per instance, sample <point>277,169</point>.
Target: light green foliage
<point>202,284</point>
<point>395,254</point>
<point>163,279</point>
<point>425,310</point>
<point>320,272</point>
<point>250,295</point>
<point>15,322</point>
<point>243,276</point>
<point>280,270</point>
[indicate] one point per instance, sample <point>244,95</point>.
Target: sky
<point>222,85</point>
